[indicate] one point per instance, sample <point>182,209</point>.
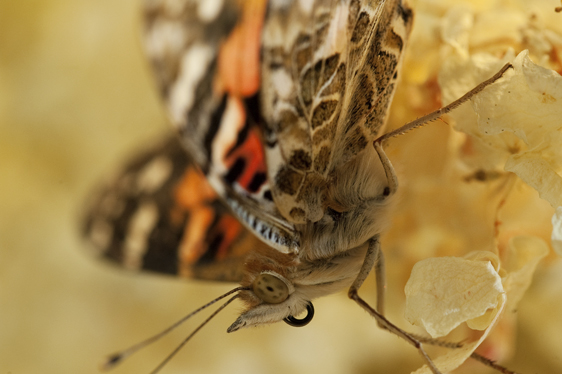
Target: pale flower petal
<point>444,292</point>
<point>523,255</point>
<point>484,321</point>
<point>528,103</point>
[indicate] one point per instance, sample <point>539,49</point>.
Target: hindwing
<point>160,214</point>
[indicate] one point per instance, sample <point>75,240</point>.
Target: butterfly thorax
<point>356,209</point>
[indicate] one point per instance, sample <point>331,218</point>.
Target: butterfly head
<point>271,298</point>
<point>279,287</point>
<point>273,291</point>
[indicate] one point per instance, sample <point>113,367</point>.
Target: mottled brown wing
<point>160,214</point>
<point>329,74</point>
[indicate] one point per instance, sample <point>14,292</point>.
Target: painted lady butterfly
<point>272,181</point>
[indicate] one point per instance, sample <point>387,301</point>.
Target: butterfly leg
<point>380,278</point>
<point>373,255</point>
<point>446,109</point>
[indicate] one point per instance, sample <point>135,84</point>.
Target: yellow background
<point>75,97</point>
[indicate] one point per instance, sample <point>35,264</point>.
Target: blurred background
<point>75,98</point>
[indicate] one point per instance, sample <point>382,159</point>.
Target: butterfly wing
<point>271,98</point>
<point>329,75</point>
<point>206,57</point>
<point>160,214</point>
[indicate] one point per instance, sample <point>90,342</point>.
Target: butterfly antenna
<point>116,358</point>
<point>180,346</point>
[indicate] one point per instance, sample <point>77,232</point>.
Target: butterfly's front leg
<point>374,258</point>
<point>388,169</point>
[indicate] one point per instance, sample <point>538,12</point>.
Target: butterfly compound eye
<point>270,288</point>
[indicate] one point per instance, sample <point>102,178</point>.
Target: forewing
<point>329,75</point>
<point>160,214</point>
<point>206,57</point>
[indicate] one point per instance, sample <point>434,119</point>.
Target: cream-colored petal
<point>523,255</point>
<point>444,292</point>
<point>527,103</point>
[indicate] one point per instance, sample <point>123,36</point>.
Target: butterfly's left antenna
<point>116,358</point>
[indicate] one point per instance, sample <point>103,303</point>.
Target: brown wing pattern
<point>329,74</point>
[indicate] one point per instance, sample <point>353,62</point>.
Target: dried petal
<point>523,255</point>
<point>444,292</point>
<point>528,104</point>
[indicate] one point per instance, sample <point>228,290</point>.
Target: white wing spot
<point>283,83</point>
<point>154,175</point>
<point>209,9</point>
<point>164,39</point>
<point>139,229</point>
<point>232,121</point>
<point>194,65</point>
<point>335,40</point>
